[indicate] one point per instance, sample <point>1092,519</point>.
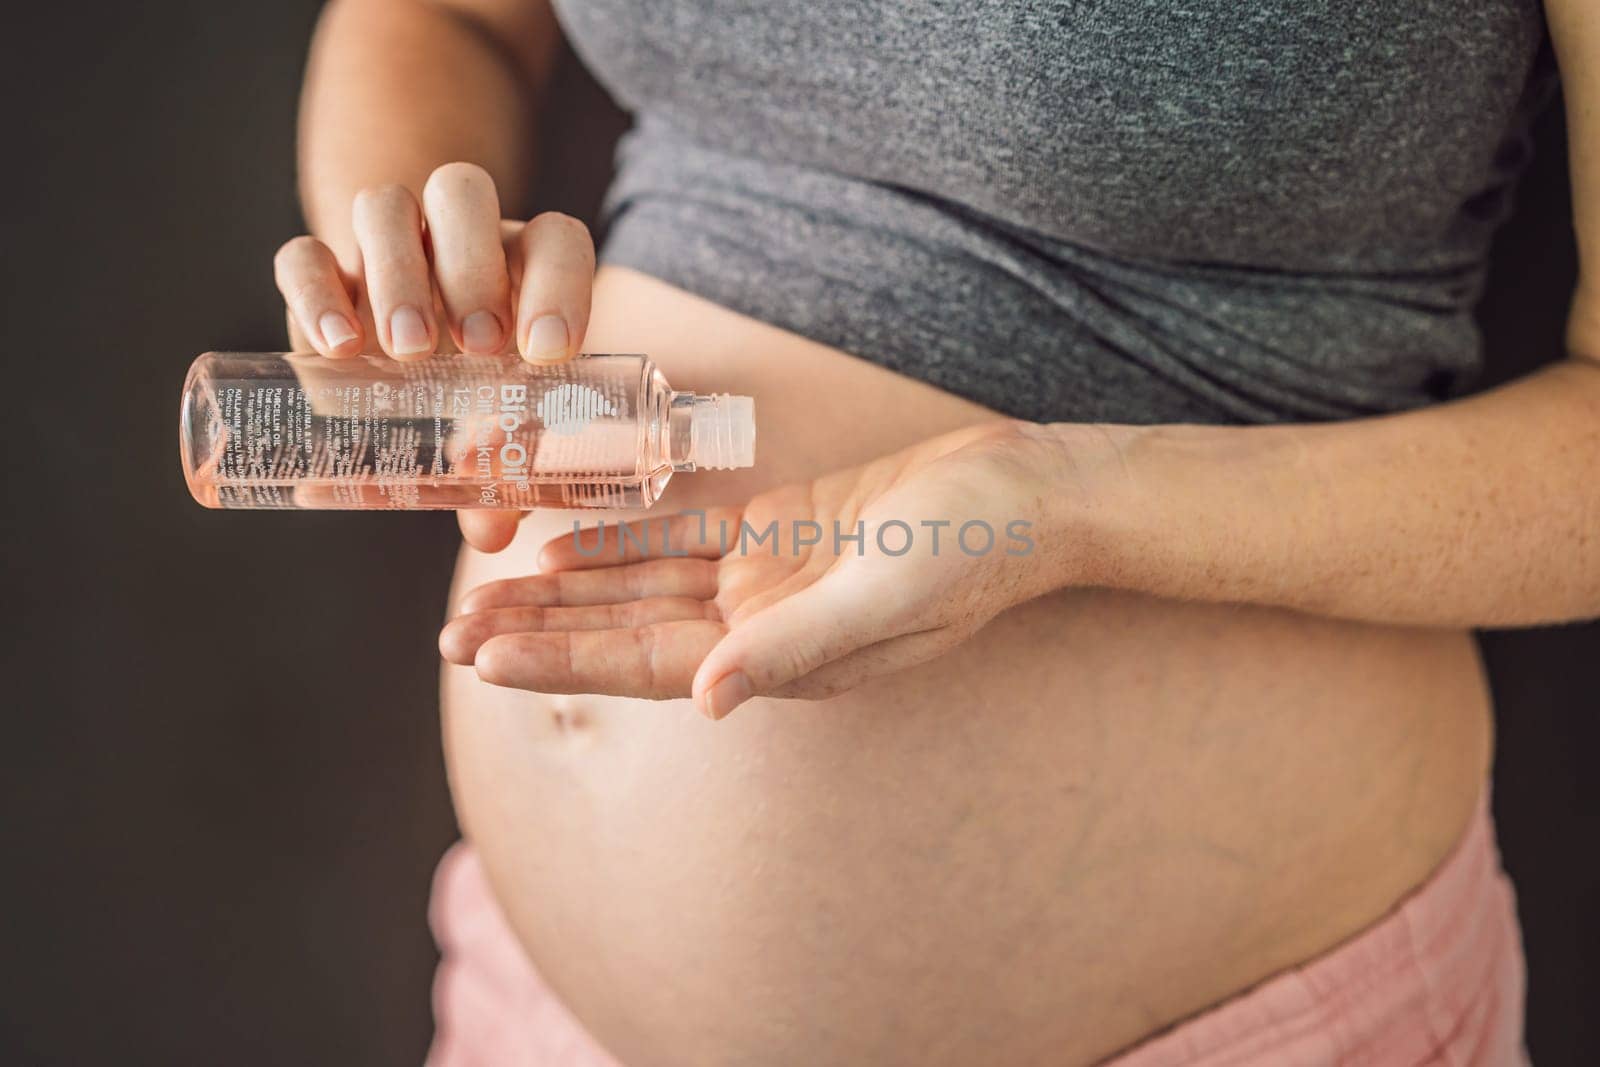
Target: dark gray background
<point>221,793</point>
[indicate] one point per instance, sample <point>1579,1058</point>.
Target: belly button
<point>567,715</point>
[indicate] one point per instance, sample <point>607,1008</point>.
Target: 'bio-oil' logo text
<point>512,453</point>
<point>513,413</point>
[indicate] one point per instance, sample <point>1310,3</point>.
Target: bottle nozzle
<point>722,433</point>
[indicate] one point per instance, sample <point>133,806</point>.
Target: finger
<point>489,530</point>
<point>557,267</point>
<point>314,291</point>
<point>611,585</point>
<point>462,636</point>
<point>656,662</point>
<point>694,534</point>
<point>829,619</point>
<point>388,227</point>
<point>511,248</point>
<point>469,263</point>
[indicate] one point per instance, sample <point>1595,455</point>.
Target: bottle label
<point>445,432</point>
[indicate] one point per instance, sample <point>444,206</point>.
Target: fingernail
<point>730,691</point>
<point>480,332</point>
<point>407,332</point>
<point>547,339</point>
<point>336,329</point>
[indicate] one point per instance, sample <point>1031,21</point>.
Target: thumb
<point>489,530</point>
<point>790,638</point>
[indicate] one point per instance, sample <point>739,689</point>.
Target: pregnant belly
<point>1102,814</point>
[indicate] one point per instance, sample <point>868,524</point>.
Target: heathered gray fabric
<point>1141,211</point>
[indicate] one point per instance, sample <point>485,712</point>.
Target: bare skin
<point>1208,752</point>
<point>1098,815</point>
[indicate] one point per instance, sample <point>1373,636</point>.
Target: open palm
<point>763,597</point>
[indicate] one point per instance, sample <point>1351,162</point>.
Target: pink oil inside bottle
<point>274,430</point>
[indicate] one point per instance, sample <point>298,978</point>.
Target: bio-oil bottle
<point>281,430</point>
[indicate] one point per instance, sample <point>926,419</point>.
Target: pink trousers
<point>1438,981</point>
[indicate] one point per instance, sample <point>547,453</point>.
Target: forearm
<point>394,88</point>
<point>1480,512</point>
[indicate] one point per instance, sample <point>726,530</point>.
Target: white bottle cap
<point>722,433</point>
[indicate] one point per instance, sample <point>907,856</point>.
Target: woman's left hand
<point>765,599</point>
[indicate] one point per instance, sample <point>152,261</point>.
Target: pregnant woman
<point>1186,290</point>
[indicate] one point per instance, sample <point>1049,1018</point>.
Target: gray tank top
<point>1120,210</point>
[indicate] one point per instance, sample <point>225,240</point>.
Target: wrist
<point>1080,502</point>
<point>1185,511</point>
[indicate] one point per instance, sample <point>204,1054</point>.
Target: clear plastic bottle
<point>275,430</point>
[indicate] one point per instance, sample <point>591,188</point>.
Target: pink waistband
<point>1438,981</point>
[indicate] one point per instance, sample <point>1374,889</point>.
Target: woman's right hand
<point>448,274</point>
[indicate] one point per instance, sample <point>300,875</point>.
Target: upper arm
<point>1575,32</point>
<point>525,31</point>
